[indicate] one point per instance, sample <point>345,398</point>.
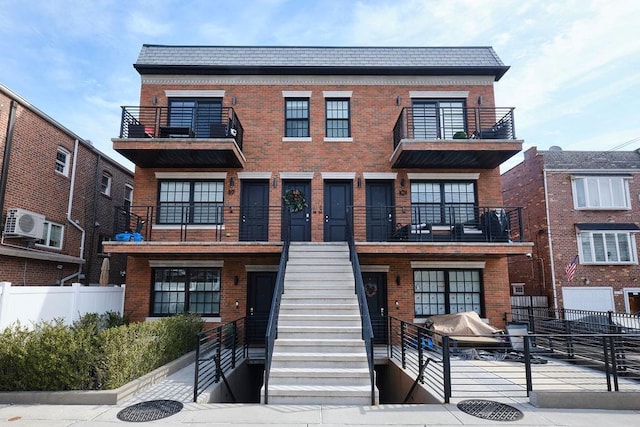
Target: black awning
<point>606,226</point>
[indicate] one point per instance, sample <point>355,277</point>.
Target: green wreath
<point>294,200</point>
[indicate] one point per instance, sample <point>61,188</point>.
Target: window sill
<point>54,248</point>
<point>188,226</point>
<point>62,174</point>
<point>338,139</point>
<point>296,139</point>
<point>609,263</point>
<point>597,208</point>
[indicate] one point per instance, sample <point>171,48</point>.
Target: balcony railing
<point>455,123</point>
<point>215,222</point>
<point>182,122</point>
<point>428,223</point>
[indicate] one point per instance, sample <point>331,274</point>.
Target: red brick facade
<point>551,213</point>
<point>33,184</point>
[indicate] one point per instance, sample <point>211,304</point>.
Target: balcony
<point>481,138</point>
<point>206,227</point>
<point>181,137</point>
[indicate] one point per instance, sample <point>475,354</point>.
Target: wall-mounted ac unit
<point>23,223</point>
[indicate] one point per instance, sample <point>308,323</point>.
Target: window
<point>601,192</point>
<point>51,235</point>
<point>338,122</point>
<point>296,117</point>
<point>62,161</point>
<point>607,247</point>
<point>438,119</point>
<point>186,290</point>
<point>447,291</point>
<point>128,197</point>
<point>195,114</point>
<point>105,184</point>
<point>190,202</point>
<point>443,203</point>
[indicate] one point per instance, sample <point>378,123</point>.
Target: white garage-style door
<point>588,298</point>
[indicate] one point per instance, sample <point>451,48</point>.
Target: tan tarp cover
<point>460,324</point>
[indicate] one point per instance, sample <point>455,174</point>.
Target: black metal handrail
<point>272,325</point>
<point>430,222</point>
<point>455,123</point>
<point>584,320</point>
<point>218,350</point>
<point>184,122</point>
<point>367,328</point>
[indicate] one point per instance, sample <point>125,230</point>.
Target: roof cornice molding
<point>195,80</point>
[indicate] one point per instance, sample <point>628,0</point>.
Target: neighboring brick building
<point>584,204</point>
<point>59,193</point>
<point>404,142</point>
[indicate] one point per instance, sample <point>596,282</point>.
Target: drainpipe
<point>69,219</point>
<point>551,262</point>
<point>7,151</point>
<point>92,238</point>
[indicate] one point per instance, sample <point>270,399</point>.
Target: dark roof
<point>158,59</point>
<point>592,160</point>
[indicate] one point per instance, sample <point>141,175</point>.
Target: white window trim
<point>349,139</point>
<point>65,170</point>
<point>191,175</point>
<point>130,187</point>
<point>107,191</point>
<point>632,248</point>
<point>338,175</point>
<point>47,229</point>
<point>160,263</point>
<point>391,176</point>
<point>574,192</point>
<point>296,139</point>
<point>194,93</point>
<point>296,175</point>
<point>443,176</point>
<point>296,94</point>
<point>337,93</point>
<point>448,264</point>
<point>439,94</point>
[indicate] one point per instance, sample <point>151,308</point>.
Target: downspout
<point>92,238</point>
<point>551,262</point>
<point>4,175</point>
<point>71,221</point>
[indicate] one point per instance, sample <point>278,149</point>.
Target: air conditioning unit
<point>23,223</point>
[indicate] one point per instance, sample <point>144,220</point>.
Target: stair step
<point>318,360</point>
<point>291,345</point>
<point>319,320</point>
<point>319,395</point>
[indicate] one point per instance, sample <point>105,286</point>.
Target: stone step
<point>329,299</point>
<point>321,320</point>
<point>319,395</point>
<point>315,345</point>
<point>319,332</point>
<point>309,274</point>
<point>319,309</point>
<point>315,377</point>
<point>310,360</point>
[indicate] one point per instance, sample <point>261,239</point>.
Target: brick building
<point>401,145</point>
<point>582,206</point>
<point>57,198</point>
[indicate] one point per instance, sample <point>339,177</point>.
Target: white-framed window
<point>62,161</point>
<point>51,235</point>
<point>105,184</point>
<point>447,291</point>
<point>601,192</point>
<point>128,197</point>
<point>607,247</point>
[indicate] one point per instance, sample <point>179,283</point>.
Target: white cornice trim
<point>185,263</point>
<point>380,175</point>
<point>319,80</point>
<point>296,175</point>
<point>374,268</point>
<point>191,175</point>
<point>444,175</point>
<point>194,93</point>
<point>296,94</point>
<point>254,175</point>
<point>337,93</point>
<point>448,264</point>
<point>439,94</point>
<point>338,175</point>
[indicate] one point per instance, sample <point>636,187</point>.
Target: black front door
<point>338,199</point>
<point>260,286</point>
<point>380,218</point>
<point>301,220</point>
<point>254,211</point>
<point>375,288</point>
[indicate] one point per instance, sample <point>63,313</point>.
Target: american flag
<point>570,269</point>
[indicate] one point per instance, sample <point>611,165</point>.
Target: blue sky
<point>574,76</point>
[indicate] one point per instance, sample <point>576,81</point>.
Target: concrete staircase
<point>319,357</point>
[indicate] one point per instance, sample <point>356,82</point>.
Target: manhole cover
<point>488,410</point>
<point>150,411</point>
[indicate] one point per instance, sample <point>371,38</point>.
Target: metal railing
<point>454,123</point>
<point>367,329</point>
<point>180,122</point>
<point>218,351</point>
<point>424,222</point>
<point>455,366</point>
<point>272,324</point>
<point>544,319</point>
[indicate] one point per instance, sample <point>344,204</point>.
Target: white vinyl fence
<point>32,304</point>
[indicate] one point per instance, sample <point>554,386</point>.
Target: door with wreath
<point>297,214</point>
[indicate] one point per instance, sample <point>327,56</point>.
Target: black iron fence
<point>429,222</point>
<point>552,320</point>
<point>454,123</point>
<point>455,366</point>
<point>218,350</point>
<point>181,122</point>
